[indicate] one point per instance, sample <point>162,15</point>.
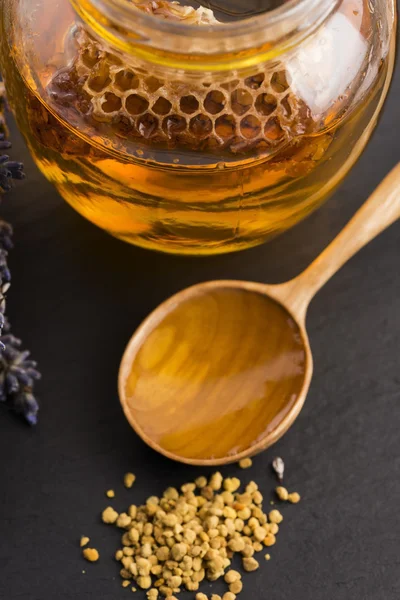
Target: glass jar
<point>176,132</point>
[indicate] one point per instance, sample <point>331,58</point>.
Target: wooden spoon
<point>221,370</point>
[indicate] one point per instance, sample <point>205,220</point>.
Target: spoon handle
<point>379,212</point>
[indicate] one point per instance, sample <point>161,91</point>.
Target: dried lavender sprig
<point>6,174</point>
<point>8,169</point>
<point>5,236</point>
<point>18,372</point>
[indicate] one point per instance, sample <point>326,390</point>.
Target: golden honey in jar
<point>175,129</point>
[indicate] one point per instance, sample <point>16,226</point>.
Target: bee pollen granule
<point>91,554</point>
<point>129,480</point>
<point>84,541</point>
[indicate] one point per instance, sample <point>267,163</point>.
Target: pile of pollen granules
<point>189,535</point>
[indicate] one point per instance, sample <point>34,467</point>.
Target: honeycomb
<point>173,11</point>
<point>258,111</point>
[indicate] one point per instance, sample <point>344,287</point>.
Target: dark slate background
<point>76,298</point>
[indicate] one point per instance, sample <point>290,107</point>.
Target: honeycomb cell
<point>112,103</point>
<point>214,102</point>
<point>286,107</point>
<point>241,101</point>
<point>273,130</point>
<point>90,56</point>
<point>152,84</point>
<point>84,103</point>
<point>147,125</point>
<point>126,80</point>
<point>122,126</point>
<point>266,104</point>
<point>254,82</point>
<point>136,105</point>
<point>262,146</point>
<point>250,127</point>
<point>213,143</point>
<point>238,145</point>
<point>279,82</point>
<point>173,125</point>
<point>114,60</point>
<point>200,126</point>
<point>162,106</point>
<point>100,77</point>
<point>189,104</point>
<point>64,82</point>
<point>225,126</point>
<point>230,85</point>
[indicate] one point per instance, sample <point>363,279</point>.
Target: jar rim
<point>272,17</point>
<point>268,34</point>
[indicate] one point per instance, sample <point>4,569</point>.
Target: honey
<point>188,164</point>
<point>217,372</point>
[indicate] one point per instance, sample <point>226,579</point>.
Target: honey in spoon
<point>216,373</point>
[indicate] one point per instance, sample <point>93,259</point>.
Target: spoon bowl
<point>221,370</point>
<point>224,389</point>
